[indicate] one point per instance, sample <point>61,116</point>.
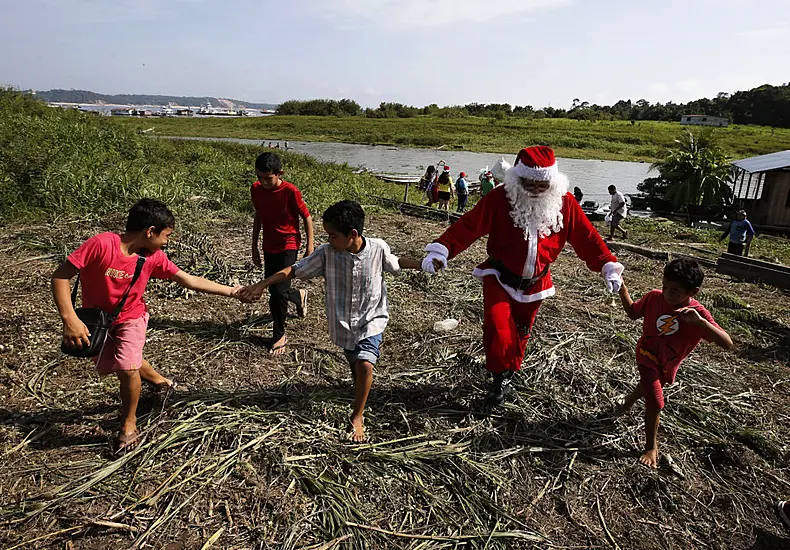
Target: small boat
<point>639,201</point>
<point>594,211</point>
<point>398,178</point>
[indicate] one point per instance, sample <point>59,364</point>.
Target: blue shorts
<point>366,349</point>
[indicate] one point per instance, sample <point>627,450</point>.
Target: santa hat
<point>463,174</point>
<point>536,163</point>
<point>446,168</point>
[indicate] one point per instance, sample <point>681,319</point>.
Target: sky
<point>416,52</point>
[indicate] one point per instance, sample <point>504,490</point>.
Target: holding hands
<point>436,259</point>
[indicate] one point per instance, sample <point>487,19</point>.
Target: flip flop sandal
<point>301,308</point>
<point>281,346</point>
<point>780,511</point>
<point>126,442</point>
<point>164,391</point>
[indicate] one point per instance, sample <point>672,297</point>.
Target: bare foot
<point>279,347</point>
<point>621,409</point>
<point>358,429</point>
<point>650,458</point>
<point>301,309</point>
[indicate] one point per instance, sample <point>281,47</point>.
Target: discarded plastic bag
<point>445,326</point>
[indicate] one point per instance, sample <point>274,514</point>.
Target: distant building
<point>704,120</point>
<point>761,185</point>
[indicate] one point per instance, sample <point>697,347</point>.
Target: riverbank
<point>605,140</point>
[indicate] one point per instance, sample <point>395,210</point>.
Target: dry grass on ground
<point>252,452</point>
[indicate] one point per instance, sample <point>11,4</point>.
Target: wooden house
<point>761,185</point>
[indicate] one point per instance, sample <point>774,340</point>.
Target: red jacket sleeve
<point>468,228</point>
<point>585,239</point>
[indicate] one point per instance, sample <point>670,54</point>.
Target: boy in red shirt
<point>674,323</point>
<point>106,264</point>
<point>278,207</point>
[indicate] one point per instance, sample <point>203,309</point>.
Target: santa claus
<point>528,221</point>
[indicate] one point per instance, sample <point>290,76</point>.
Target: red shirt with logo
<point>105,274</point>
<point>667,340</point>
<point>279,210</point>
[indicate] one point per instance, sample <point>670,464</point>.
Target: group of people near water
<point>528,217</point>
<point>439,188</point>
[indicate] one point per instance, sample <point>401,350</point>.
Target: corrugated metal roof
<point>765,163</point>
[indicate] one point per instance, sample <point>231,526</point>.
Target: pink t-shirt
<point>666,340</point>
<point>105,274</point>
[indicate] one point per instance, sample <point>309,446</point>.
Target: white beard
<point>540,213</point>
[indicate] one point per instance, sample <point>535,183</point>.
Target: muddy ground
<point>252,451</point>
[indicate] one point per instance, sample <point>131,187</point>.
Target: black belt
<point>514,281</point>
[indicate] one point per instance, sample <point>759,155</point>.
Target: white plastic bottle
<point>445,326</point>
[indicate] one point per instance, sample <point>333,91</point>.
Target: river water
<point>592,176</point>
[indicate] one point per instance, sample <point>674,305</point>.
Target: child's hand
<point>235,292</point>
<point>76,334</point>
<point>256,257</point>
<point>690,315</point>
<point>251,293</point>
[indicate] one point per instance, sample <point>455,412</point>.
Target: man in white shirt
<point>618,210</point>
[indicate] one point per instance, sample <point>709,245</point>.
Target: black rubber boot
<point>496,395</point>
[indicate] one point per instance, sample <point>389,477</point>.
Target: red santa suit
<point>516,276</point>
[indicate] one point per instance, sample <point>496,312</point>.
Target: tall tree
<point>695,173</point>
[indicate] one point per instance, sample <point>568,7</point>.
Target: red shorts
<point>123,349</point>
<point>652,387</point>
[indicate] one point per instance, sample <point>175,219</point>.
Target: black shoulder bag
<point>97,320</point>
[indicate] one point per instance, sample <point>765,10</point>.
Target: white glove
<point>612,273</point>
<point>436,251</point>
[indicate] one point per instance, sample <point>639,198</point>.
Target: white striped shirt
<point>356,295</point>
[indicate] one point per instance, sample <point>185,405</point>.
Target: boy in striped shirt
<point>353,268</point>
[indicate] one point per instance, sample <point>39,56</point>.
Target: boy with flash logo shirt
<point>674,323</point>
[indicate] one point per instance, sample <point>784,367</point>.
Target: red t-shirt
<point>105,274</point>
<point>666,340</point>
<point>279,210</point>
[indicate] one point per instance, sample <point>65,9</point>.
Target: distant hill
<point>85,96</point>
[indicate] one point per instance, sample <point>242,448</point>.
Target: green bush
<point>62,162</point>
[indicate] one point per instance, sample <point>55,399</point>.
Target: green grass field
<point>609,140</point>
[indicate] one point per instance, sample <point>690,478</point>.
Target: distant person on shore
<point>741,234</point>
<point>353,268</point>
<point>278,208</point>
<point>444,186</point>
<point>114,271</point>
<point>427,178</point>
<point>487,184</point>
<point>674,323</point>
<point>286,145</point>
<point>618,211</point>
<point>462,189</point>
<point>578,195</point>
<point>277,145</point>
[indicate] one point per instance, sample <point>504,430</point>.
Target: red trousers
<point>506,327</point>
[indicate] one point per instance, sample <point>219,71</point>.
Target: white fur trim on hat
<point>536,174</point>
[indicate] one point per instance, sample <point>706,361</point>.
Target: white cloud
<point>774,32</point>
<point>428,13</point>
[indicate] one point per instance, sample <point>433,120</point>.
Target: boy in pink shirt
<point>674,323</point>
<point>106,264</point>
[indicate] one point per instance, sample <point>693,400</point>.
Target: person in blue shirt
<point>741,234</point>
<point>462,188</point>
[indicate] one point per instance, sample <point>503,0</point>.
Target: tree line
<point>765,105</point>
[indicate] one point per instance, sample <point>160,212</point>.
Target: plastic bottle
<point>445,326</point>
